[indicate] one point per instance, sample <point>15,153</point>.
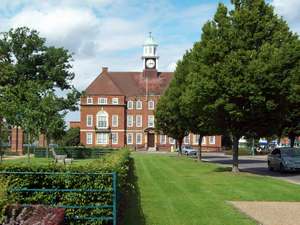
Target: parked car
<point>284,159</point>
<point>188,150</point>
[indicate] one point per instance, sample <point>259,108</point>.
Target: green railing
<point>113,191</point>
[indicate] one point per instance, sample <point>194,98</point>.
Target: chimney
<point>104,69</point>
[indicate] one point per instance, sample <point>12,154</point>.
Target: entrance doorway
<point>151,143</point>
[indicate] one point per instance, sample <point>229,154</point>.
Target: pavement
<point>252,164</point>
<point>271,213</point>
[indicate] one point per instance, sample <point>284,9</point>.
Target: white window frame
<point>114,120</point>
<point>102,101</point>
<point>89,138</point>
<point>212,140</point>
<point>99,116</point>
<point>139,104</point>
<point>163,139</point>
<point>130,104</point>
<point>89,120</point>
<point>115,101</point>
<point>130,121</point>
<point>151,119</point>
<point>196,139</point>
<point>171,141</point>
<point>204,140</point>
<point>138,141</point>
<point>116,140</point>
<point>127,138</point>
<point>151,105</point>
<point>89,101</point>
<point>185,140</point>
<point>139,120</point>
<point>102,141</point>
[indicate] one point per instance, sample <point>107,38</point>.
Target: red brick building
<point>118,108</point>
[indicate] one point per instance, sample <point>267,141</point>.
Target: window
<point>89,138</point>
<point>102,101</point>
<point>212,140</point>
<point>196,139</point>
<point>138,138</point>
<point>171,141</point>
<point>114,121</point>
<point>129,138</point>
<point>139,104</point>
<point>130,105</point>
<point>89,120</point>
<point>102,120</point>
<point>89,100</point>
<point>162,139</point>
<point>151,105</point>
<point>115,101</point>
<point>186,140</point>
<point>150,121</point>
<point>204,140</point>
<point>102,138</point>
<point>129,120</point>
<point>139,120</point>
<point>114,138</point>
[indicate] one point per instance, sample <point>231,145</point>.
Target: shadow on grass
<point>132,210</point>
<point>222,169</point>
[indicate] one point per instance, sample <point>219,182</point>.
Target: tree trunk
<point>200,147</point>
<point>235,154</point>
<point>28,146</point>
<point>180,146</point>
<point>292,141</point>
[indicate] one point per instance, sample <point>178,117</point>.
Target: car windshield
<point>188,147</point>
<point>293,152</point>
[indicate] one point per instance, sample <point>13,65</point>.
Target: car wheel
<point>269,166</point>
<point>281,168</point>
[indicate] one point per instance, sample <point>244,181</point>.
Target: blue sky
<point>111,32</point>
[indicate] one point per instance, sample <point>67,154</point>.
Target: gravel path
<point>271,213</point>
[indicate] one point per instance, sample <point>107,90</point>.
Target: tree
<point>245,60</point>
<point>71,137</point>
<point>29,70</point>
<point>168,115</point>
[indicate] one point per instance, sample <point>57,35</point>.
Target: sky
<point>111,33</point>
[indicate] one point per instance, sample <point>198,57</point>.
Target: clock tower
<point>150,58</point>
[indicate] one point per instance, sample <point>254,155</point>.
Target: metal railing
<point>112,190</point>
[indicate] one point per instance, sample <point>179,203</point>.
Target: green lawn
<point>171,190</point>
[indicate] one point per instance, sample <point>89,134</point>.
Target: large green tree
<point>29,71</point>
<point>246,58</point>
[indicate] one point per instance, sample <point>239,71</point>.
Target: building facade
<point>118,108</point>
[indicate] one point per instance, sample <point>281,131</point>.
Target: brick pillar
<point>17,140</point>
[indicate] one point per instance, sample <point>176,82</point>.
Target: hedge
<point>116,162</point>
<point>74,152</point>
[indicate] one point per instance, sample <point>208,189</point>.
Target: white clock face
<point>150,63</point>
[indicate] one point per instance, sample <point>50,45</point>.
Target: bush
<point>116,162</point>
<point>75,152</point>
<point>242,151</point>
<point>3,197</point>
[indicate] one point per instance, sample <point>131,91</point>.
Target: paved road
<point>252,164</point>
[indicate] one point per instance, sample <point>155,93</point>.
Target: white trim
<point>89,102</point>
<point>136,121</point>
<point>129,104</point>
<point>130,120</point>
<point>127,135</point>
<point>102,101</point>
<point>151,105</point>
<point>117,138</point>
<point>141,104</point>
<point>98,116</point>
<point>196,139</point>
<point>172,141</point>
<point>91,120</point>
<point>212,140</point>
<point>115,101</point>
<point>89,138</point>
<point>136,138</point>
<point>98,138</point>
<point>152,120</point>
<point>163,139</point>
<point>186,140</point>
<point>204,140</point>
<point>112,121</point>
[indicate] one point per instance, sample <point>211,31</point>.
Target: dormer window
<point>115,101</point>
<point>102,101</point>
<point>89,100</point>
<point>151,105</point>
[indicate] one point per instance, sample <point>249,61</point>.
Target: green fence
<point>54,196</point>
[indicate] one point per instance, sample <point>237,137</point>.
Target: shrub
<point>3,197</point>
<point>116,162</point>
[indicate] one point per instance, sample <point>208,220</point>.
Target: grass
<point>171,190</point>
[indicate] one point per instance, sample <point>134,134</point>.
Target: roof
<point>129,84</point>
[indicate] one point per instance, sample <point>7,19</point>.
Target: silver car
<point>188,150</point>
<point>284,159</point>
